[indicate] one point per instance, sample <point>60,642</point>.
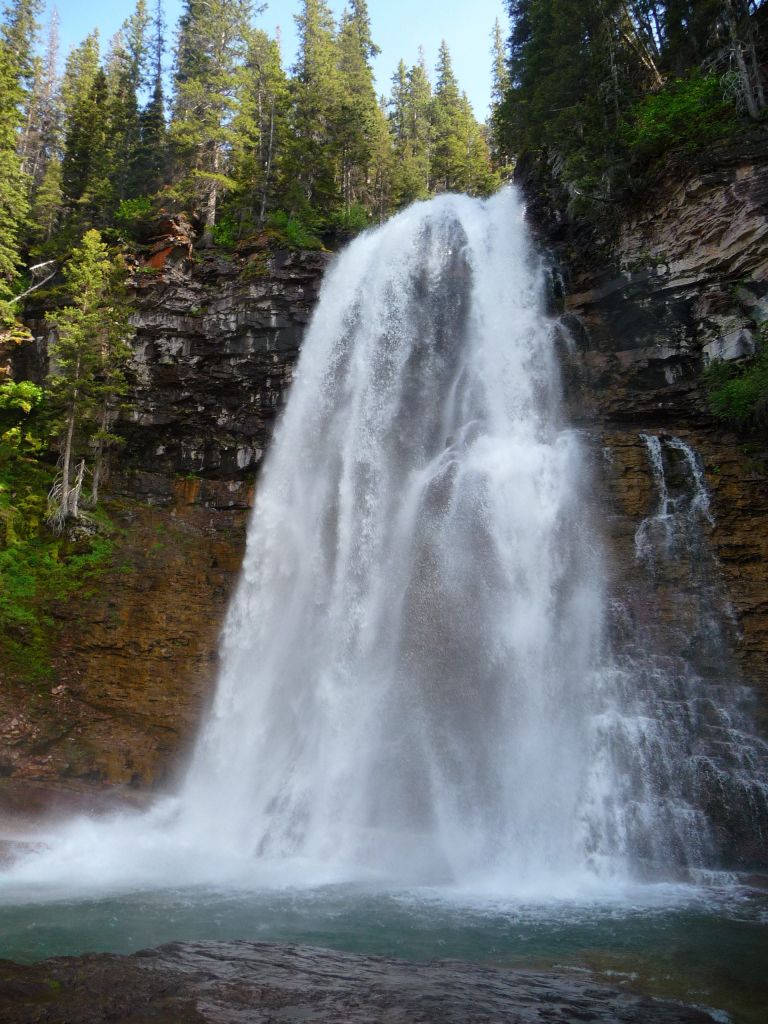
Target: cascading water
<point>691,776</point>
<point>407,672</point>
<point>415,683</point>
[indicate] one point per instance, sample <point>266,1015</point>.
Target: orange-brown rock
<point>137,658</point>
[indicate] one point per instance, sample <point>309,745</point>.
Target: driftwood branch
<point>50,277</point>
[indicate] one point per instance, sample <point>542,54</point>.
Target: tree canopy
<point>601,88</point>
<point>241,143</point>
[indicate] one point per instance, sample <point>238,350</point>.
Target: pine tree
<point>77,87</point>
<point>574,67</point>
<point>361,126</point>
<point>410,123</point>
<point>398,104</point>
<point>152,156</point>
<point>312,161</point>
<point>47,208</point>
<point>260,131</point>
<point>42,137</point>
<point>19,32</point>
<point>89,359</point>
<point>210,51</point>
<point>87,167</point>
<point>500,82</point>
<point>382,173</point>
<point>127,74</point>
<point>13,183</point>
<point>460,157</point>
<point>687,25</point>
<point>420,133</point>
<point>122,117</point>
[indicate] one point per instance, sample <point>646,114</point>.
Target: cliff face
<point>681,280</point>
<point>684,279</point>
<point>216,341</point>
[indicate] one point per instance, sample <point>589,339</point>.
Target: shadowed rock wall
<point>216,342</point>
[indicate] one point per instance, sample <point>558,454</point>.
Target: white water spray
<point>406,690</point>
<point>407,662</point>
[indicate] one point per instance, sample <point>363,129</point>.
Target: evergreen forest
<point>600,92</point>
<point>240,143</point>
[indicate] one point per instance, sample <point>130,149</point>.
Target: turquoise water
<point>707,946</point>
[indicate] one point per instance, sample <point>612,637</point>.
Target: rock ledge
<point>256,983</point>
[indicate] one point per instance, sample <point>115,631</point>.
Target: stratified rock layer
<point>239,982</point>
<point>681,281</point>
<point>216,342</point>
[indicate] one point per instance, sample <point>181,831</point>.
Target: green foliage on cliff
<point>17,401</point>
<point>293,231</point>
<point>37,570</point>
<point>689,112</point>
<point>738,395</point>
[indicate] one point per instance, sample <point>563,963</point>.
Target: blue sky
<point>400,26</point>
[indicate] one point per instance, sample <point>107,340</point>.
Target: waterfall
<point>415,683</point>
<point>672,529</point>
<point>407,678</point>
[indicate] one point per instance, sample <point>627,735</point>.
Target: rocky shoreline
<point>264,983</point>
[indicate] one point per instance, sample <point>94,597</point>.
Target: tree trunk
<point>632,39</point>
<point>749,88</point>
<point>98,460</point>
<point>268,171</point>
<point>74,494</point>
<point>209,218</point>
<point>67,463</point>
<point>99,457</point>
<point>68,439</point>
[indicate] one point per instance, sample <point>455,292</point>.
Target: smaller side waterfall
<point>675,528</point>
<point>693,772</point>
<point>671,530</point>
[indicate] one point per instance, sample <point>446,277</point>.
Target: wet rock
<point>248,983</point>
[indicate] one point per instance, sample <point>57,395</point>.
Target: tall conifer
<point>210,51</point>
<point>360,124</point>
<point>313,158</point>
<point>13,183</point>
<point>260,130</point>
<point>152,156</point>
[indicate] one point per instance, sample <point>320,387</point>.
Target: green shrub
<point>356,218</point>
<point>295,233</point>
<point>225,232</point>
<point>18,399</point>
<point>738,395</point>
<point>37,570</point>
<point>135,216</point>
<point>689,112</point>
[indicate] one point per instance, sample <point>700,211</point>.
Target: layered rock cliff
<point>216,341</point>
<point>677,280</point>
<point>682,278</point>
